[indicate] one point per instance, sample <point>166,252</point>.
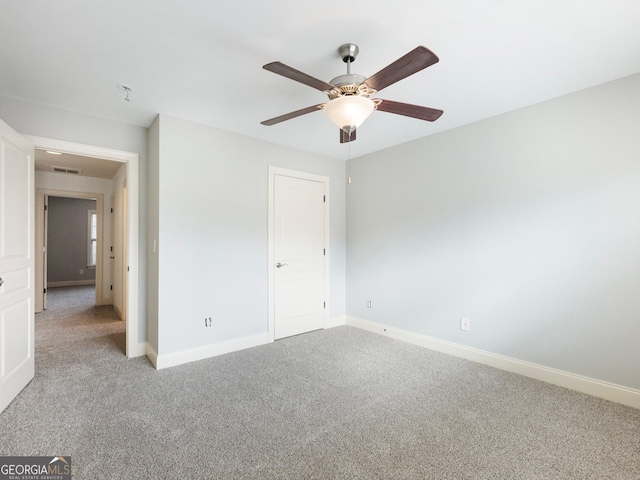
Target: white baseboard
<point>590,386</point>
<point>140,350</point>
<point>151,353</point>
<point>70,283</point>
<point>208,351</point>
<point>336,322</point>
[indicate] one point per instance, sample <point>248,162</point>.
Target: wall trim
<point>151,354</point>
<point>71,283</point>
<point>141,350</point>
<point>597,388</point>
<point>194,354</point>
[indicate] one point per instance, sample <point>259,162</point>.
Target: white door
<point>45,254</point>
<point>119,251</point>
<point>112,256</point>
<point>299,254</point>
<point>17,364</point>
<point>123,244</point>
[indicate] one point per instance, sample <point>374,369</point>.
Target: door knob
<point>280,265</point>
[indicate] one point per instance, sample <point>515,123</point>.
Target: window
<point>92,238</point>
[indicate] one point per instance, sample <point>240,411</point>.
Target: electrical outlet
<point>208,322</point>
<point>81,272</point>
<point>368,303</point>
<point>464,324</point>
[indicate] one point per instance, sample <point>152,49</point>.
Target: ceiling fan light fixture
<point>349,95</point>
<point>350,111</point>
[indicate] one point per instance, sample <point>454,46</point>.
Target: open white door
<point>125,260</point>
<point>112,254</point>
<point>45,254</point>
<point>17,364</point>
<point>299,254</point>
<point>119,250</point>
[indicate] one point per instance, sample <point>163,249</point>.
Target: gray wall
<point>213,232</point>
<point>67,240</point>
<point>527,223</point>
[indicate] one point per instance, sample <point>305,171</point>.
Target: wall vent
<point>73,171</point>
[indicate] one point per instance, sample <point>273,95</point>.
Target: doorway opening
<point>72,241</point>
<point>128,228</point>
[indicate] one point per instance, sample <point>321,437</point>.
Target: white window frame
<point>92,240</point>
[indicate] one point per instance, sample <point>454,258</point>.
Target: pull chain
<point>349,160</point>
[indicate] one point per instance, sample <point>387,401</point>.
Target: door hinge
<point>111,248</point>
<point>325,305</point>
<point>45,208</point>
<point>324,198</point>
<point>110,287</point>
<point>324,251</point>
<point>112,210</point>
<point>45,291</point>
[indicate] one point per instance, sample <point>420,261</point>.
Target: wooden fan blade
<point>345,138</point>
<point>298,76</point>
<point>290,115</point>
<point>408,110</point>
<point>414,61</point>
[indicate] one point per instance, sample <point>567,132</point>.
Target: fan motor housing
<point>348,79</point>
<point>350,84</point>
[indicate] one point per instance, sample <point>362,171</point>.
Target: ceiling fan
<point>349,104</point>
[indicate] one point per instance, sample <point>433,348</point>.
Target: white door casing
<point>17,361</point>
<point>133,347</point>
<point>299,254</point>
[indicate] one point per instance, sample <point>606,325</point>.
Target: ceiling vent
<point>73,171</point>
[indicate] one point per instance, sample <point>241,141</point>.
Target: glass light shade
<point>348,111</point>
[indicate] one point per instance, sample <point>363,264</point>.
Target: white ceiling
<point>201,60</point>
<point>89,166</point>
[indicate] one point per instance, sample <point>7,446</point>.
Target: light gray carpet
<point>340,403</point>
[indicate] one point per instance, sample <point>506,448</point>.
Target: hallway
<point>72,316</point>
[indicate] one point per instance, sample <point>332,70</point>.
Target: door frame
<point>41,232</point>
<point>273,171</point>
<point>133,347</point>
